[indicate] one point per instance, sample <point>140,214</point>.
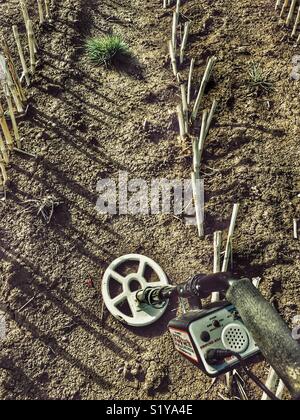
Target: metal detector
<point>217,338</point>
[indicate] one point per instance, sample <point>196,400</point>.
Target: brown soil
<point>86,123</point>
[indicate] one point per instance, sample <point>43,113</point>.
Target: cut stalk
<point>197,202</point>
<point>21,54</point>
<point>41,11</point>
<point>184,41</point>
<point>10,87</point>
<point>277,5</point>
<point>16,98</point>
<point>228,250</point>
<point>271,383</point>
<point>179,78</point>
<point>291,12</point>
<point>217,251</point>
<point>256,281</point>
<point>284,7</point>
<point>47,9</point>
<point>228,257</point>
<point>4,175</point>
<point>31,46</point>
<point>24,11</point>
<point>26,19</point>
<point>174,31</point>
<point>196,157</point>
<point>202,134</point>
<point>210,116</point>
<point>178,6</point>
<point>24,153</point>
<point>217,260</point>
<point>295,228</point>
<point>190,81</point>
<point>5,129</point>
<point>12,77</point>
<point>13,120</point>
<point>204,82</point>
<point>173,58</point>
<point>3,150</point>
<point>296,23</point>
<point>184,107</point>
<point>181,122</point>
<point>280,389</point>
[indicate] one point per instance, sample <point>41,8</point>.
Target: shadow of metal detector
<point>217,338</point>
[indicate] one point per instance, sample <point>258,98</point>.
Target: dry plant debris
<point>44,206</point>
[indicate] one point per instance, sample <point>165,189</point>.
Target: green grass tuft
<point>259,81</point>
<point>109,50</point>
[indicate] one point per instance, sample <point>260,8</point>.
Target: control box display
<point>196,332</point>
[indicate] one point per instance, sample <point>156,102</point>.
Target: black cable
<point>255,379</point>
<point>219,354</point>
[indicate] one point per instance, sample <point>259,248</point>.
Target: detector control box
<point>198,331</point>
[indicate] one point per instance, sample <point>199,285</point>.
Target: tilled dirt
<point>87,123</point>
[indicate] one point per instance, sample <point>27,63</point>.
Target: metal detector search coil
<point>141,314</point>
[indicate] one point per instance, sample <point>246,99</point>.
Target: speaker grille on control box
<point>235,338</point>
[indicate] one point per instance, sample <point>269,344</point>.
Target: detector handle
<point>203,285</point>
<point>269,331</point>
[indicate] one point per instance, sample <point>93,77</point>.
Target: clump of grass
<point>108,50</point>
<point>259,81</point>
